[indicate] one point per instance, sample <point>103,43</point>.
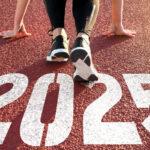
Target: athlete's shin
<point>85,13</point>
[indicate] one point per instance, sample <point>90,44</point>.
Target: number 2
<point>97,132</point>
<point>20,83</point>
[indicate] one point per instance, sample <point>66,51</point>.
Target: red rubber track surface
<point>112,55</point>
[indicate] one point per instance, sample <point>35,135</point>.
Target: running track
<point>113,56</point>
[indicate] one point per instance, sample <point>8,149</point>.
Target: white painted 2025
<point>95,131</point>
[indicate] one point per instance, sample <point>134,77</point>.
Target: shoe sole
<point>58,56</point>
<point>82,63</point>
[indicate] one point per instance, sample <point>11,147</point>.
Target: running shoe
<point>59,50</point>
<point>82,61</point>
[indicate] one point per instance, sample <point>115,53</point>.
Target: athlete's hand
<point>11,34</point>
<point>15,33</point>
<point>120,31</point>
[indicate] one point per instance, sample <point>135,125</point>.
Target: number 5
<point>141,97</point>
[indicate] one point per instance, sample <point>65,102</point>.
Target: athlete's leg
<point>85,13</point>
<point>56,13</point>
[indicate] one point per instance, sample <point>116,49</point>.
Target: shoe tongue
<point>59,31</point>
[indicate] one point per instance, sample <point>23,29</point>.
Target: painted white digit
<point>20,83</point>
<point>59,130</point>
<point>4,127</point>
<point>140,96</point>
<point>146,123</point>
<point>31,127</point>
<point>98,132</point>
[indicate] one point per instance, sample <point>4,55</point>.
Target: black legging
<point>84,11</point>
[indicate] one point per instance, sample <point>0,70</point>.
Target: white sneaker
<point>59,51</point>
<point>82,61</point>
